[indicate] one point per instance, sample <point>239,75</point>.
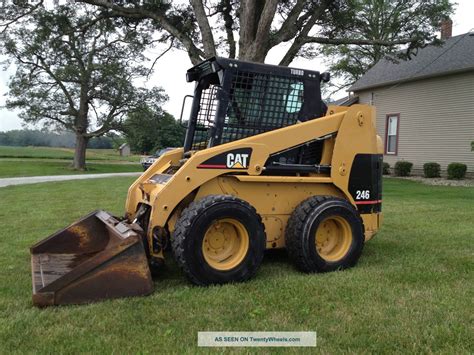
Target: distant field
<point>39,161</point>
<point>62,153</point>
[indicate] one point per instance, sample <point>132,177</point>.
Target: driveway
<point>36,179</point>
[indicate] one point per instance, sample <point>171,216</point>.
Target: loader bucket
<point>95,258</point>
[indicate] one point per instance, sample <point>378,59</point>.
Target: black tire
<point>300,236</point>
<point>191,227</point>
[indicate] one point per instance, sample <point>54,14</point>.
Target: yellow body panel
<point>352,131</point>
<point>274,201</point>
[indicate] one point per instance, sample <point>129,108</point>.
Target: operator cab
<point>234,99</point>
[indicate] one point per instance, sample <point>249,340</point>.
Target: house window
<point>391,141</point>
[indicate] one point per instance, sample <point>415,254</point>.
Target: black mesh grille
<point>205,118</point>
<point>257,103</point>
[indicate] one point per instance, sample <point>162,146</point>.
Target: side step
<point>95,258</point>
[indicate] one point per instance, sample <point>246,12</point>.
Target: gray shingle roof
<point>346,101</point>
<point>455,55</point>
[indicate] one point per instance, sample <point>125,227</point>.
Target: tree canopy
<point>75,68</point>
<point>385,20</point>
<point>205,28</point>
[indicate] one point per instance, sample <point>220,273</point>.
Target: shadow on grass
<point>376,254</point>
<point>169,276</point>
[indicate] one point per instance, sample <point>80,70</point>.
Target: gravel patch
<point>437,181</point>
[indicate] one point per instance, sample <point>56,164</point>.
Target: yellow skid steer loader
<point>265,164</point>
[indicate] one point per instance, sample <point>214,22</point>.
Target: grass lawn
<point>412,291</point>
<point>62,153</point>
<point>46,167</point>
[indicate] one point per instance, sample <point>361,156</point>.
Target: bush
<point>457,170</point>
<point>386,168</point>
<point>432,170</point>
<point>403,168</point>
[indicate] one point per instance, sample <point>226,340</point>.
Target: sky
<point>170,70</point>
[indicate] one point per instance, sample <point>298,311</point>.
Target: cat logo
<point>237,161</point>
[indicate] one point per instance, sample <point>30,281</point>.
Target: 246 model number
<point>362,194</point>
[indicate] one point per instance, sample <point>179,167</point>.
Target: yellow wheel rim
<point>333,238</point>
<point>225,244</point>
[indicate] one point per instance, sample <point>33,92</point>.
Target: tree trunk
<point>205,29</point>
<point>255,24</point>
<point>80,152</point>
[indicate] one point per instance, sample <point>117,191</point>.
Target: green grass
<point>47,167</point>
<point>62,153</point>
<point>412,291</point>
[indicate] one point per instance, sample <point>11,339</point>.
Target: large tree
<point>205,28</point>
<point>385,20</point>
<point>75,68</point>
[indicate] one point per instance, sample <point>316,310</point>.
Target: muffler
<point>96,258</point>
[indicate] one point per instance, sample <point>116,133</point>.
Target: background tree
<point>205,28</point>
<point>147,130</point>
<point>384,20</point>
<point>76,68</point>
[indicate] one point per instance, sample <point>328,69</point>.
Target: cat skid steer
<point>265,164</point>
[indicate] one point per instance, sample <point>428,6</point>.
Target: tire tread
<point>183,226</point>
<point>297,222</point>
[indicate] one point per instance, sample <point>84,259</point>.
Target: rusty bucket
<point>98,257</point>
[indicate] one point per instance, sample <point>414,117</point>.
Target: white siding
<point>436,119</point>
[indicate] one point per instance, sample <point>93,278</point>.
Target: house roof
<point>123,145</point>
<point>346,101</point>
<point>454,55</point>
